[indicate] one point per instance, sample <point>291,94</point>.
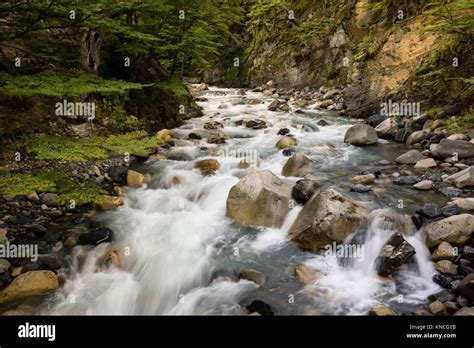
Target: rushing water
<point>182,253</point>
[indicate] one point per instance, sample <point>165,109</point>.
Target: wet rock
<point>50,199</point>
<point>450,192</point>
<point>256,124</point>
<point>376,119</point>
<point>410,157</point>
<point>463,178</point>
<point>451,307</point>
<point>274,105</point>
<point>283,131</point>
<point>108,202</point>
<point>437,308</point>
<point>323,123</point>
<point>444,251</point>
<point>253,102</point>
<point>260,307</point>
<point>113,256</point>
<point>442,280</point>
<point>328,216</point>
<point>33,196</point>
<point>425,163</point>
<point>466,287</point>
<point>396,252</point>
<point>118,174</point>
<point>304,190</point>
<point>323,104</point>
<point>290,151</point>
<point>309,128</point>
<point>424,185</point>
<point>386,128</point>
<point>29,284</point>
<point>96,236</point>
<point>4,266</point>
<point>442,296</point>
<point>446,267</point>
<point>305,274</point>
<point>446,148</point>
<point>361,134</point>
<point>253,276</point>
<point>455,229</point>
<point>361,188</point>
<point>259,199</point>
<point>297,165</point>
<point>213,125</point>
<point>194,136</point>
<point>401,135</point>
<point>406,180</point>
<point>450,210</point>
<point>219,138</point>
<point>286,142</point>
<point>207,166</point>
<point>165,134</point>
<point>465,311</point>
<point>136,179</point>
<point>383,163</point>
<point>363,179</point>
<point>381,311</point>
<point>417,136</point>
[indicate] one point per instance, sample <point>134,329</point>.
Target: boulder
<point>386,128</point>
<point>417,136</point>
<point>286,142</point>
<point>207,166</point>
<point>447,148</point>
<point>50,199</point>
<point>324,104</point>
<point>297,165</point>
<point>425,163</point>
<point>118,173</point>
<point>381,311</point>
<point>376,119</point>
<point>464,203</point>
<point>463,178</point>
<point>361,134</point>
<point>437,308</point>
<point>363,179</point>
<point>305,274</point>
<point>136,179</point>
<point>274,105</point>
<point>213,125</point>
<point>165,134</point>
<point>256,124</point>
<point>444,251</point>
<point>304,190</point>
<point>410,157</point>
<point>424,185</point>
<point>33,196</point>
<point>253,102</point>
<point>455,229</point>
<point>105,202</point>
<point>283,131</point>
<point>466,286</point>
<point>29,284</point>
<point>446,267</point>
<point>96,235</point>
<point>252,275</point>
<point>261,308</point>
<point>323,123</point>
<point>465,311</point>
<point>259,199</point>
<point>396,252</point>
<point>327,217</point>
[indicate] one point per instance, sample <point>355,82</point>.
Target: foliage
<point>24,183</point>
<point>70,149</point>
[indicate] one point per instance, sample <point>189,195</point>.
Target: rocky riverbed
<point>273,202</point>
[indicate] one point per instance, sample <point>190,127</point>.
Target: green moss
<point>56,84</point>
<point>95,148</point>
<point>461,123</point>
<point>24,183</point>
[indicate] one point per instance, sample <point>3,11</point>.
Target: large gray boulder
<point>456,229</point>
<point>463,178</point>
<point>259,199</point>
<point>447,148</point>
<point>361,134</point>
<point>410,157</point>
<point>327,217</point>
